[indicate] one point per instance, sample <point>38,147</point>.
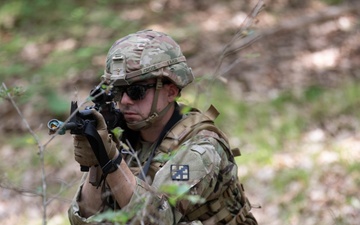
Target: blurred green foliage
<point>37,23</point>
<point>333,2</point>
<point>265,126</point>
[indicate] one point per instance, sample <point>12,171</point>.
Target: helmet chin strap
<point>153,115</point>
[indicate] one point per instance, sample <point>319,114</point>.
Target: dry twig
<point>40,153</point>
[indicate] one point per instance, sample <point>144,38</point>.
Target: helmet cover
<point>145,55</point>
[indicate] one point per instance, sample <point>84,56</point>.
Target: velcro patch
<point>180,172</point>
<point>198,149</point>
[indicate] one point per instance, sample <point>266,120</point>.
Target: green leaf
<point>119,216</point>
<point>185,110</point>
<point>117,131</point>
<point>195,199</point>
<point>175,189</point>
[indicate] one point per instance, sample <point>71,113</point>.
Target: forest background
<point>290,100</point>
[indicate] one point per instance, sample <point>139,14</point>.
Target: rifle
<point>103,100</point>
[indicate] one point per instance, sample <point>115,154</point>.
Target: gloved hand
<point>83,152</point>
<point>84,155</point>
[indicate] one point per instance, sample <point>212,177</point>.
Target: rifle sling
<point>98,148</point>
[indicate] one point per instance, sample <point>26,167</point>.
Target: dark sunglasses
<point>135,92</point>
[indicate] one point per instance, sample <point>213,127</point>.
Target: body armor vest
<point>193,123</point>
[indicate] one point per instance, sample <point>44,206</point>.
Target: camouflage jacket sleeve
<point>73,212</point>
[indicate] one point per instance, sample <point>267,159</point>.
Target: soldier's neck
<point>152,133</point>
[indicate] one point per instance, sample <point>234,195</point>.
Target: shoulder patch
<point>180,172</point>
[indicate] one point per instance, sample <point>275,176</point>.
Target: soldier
<point>166,144</point>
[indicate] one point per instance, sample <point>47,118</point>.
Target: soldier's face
<point>139,109</point>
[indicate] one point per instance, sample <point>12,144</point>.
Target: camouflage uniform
<point>194,152</point>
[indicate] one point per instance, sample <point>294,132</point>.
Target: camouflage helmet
<point>145,55</point>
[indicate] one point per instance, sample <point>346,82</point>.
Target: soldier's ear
<point>172,91</point>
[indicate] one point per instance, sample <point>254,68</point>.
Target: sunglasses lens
<point>136,92</point>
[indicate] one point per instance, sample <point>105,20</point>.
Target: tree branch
<point>40,153</point>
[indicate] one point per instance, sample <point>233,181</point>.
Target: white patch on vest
<point>199,149</point>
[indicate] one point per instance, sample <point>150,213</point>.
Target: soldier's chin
<point>131,118</point>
